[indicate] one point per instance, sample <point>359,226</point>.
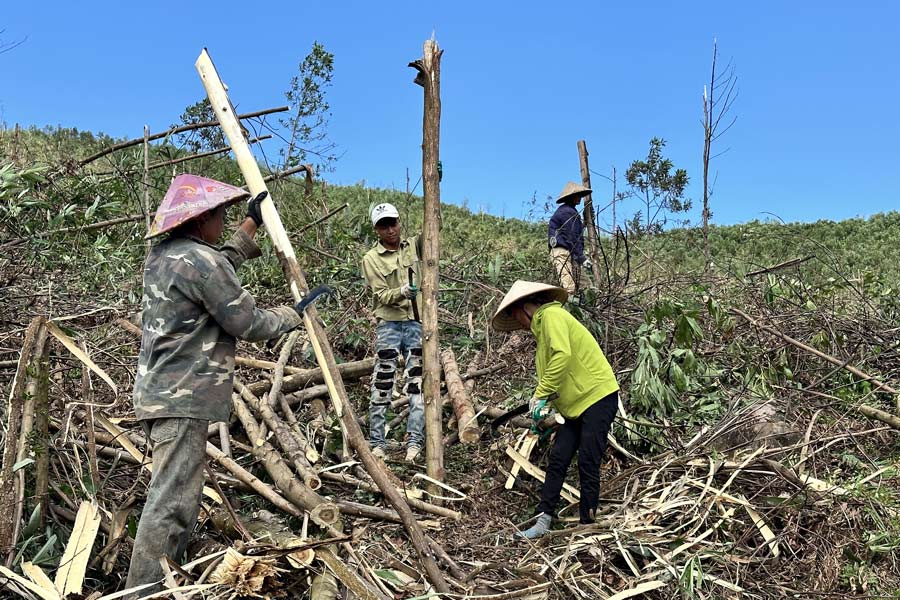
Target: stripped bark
<point>466,422</point>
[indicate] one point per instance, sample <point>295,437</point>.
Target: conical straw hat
<point>522,289</point>
<point>190,196</point>
<point>573,189</point>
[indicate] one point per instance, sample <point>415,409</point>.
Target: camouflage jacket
<point>193,309</point>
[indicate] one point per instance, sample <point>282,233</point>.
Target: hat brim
<point>232,202</point>
<point>577,195</point>
<point>503,321</point>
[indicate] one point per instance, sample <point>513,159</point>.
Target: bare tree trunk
<point>589,222</point>
<point>469,432</point>
<point>429,77</point>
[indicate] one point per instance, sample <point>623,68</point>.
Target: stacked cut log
<point>466,421</point>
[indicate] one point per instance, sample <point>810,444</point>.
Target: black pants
<point>586,434</point>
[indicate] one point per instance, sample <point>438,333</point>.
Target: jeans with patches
<point>173,498</point>
<point>393,338</point>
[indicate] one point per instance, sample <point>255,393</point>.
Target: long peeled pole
<point>324,355</point>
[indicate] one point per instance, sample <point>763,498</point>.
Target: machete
<point>415,305</point>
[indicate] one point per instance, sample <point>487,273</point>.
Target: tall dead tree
<point>717,101</point>
<point>589,221</point>
<point>429,77</point>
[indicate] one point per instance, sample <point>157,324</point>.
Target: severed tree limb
<point>883,416</point>
<point>172,131</point>
<point>294,490</point>
<point>283,357</point>
<point>8,501</point>
<point>299,379</point>
<point>283,434</point>
<point>371,487</point>
<point>820,354</point>
<point>466,422</point>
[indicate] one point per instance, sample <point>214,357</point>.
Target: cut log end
<point>325,514</point>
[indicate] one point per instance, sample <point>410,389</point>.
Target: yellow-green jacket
<point>386,271</point>
<point>569,362</point>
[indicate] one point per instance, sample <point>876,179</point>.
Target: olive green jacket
<point>386,271</point>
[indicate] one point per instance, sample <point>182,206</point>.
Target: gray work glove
<point>253,209</point>
<point>409,291</point>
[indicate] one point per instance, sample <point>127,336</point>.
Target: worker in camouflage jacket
<point>194,310</point>
<point>387,269</point>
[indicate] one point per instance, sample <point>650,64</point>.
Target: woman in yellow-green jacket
<point>575,377</point>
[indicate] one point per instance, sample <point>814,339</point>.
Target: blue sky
<point>521,83</point>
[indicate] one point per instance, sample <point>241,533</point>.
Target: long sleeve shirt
<point>566,227</point>
<point>569,362</point>
<point>194,309</point>
<point>386,271</point>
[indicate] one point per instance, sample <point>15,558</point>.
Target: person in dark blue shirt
<point>565,237</point>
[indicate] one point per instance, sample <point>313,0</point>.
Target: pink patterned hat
<point>190,196</point>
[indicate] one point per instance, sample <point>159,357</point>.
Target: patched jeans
<point>391,339</point>
<point>173,499</point>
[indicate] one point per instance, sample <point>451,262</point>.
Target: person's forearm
<point>249,226</point>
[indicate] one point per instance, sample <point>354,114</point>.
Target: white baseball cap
<point>384,211</point>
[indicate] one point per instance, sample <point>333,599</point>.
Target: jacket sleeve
<point>555,336</point>
<point>235,310</point>
<point>554,228</point>
<point>384,294</point>
<point>576,237</point>
<point>240,248</point>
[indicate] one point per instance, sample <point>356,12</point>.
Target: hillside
<point>745,463</point>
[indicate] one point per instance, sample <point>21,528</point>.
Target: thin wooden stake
<point>146,182</point>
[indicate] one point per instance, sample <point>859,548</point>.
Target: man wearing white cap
<point>575,377</point>
<point>391,269</point>
<point>565,237</point>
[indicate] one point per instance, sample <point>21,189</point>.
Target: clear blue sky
<point>816,135</point>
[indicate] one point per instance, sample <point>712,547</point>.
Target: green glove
<point>536,408</point>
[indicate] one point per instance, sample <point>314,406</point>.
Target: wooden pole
<point>429,77</point>
<point>589,223</point>
<point>322,348</point>
<point>469,432</point>
<point>145,206</point>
